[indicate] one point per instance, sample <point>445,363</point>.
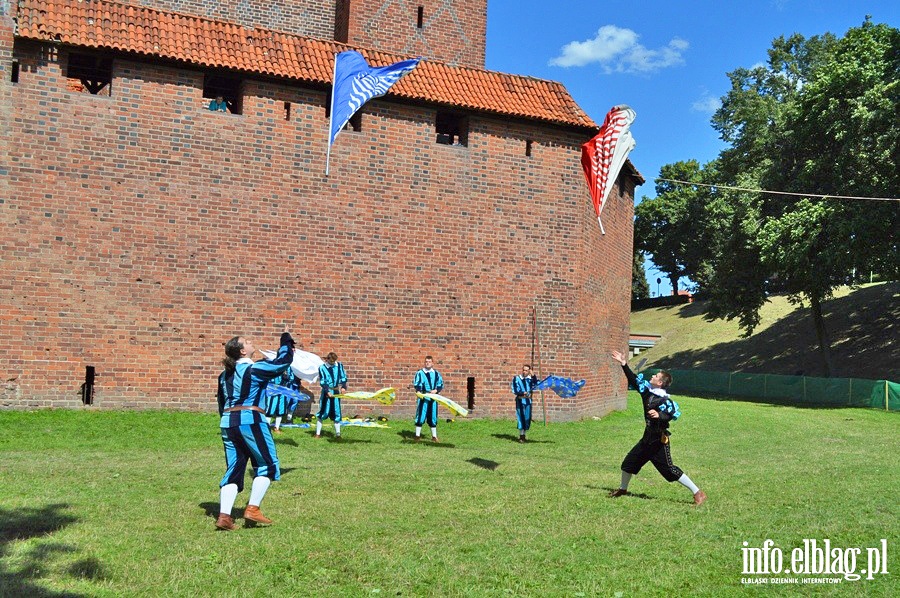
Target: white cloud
<point>707,104</point>
<point>617,51</point>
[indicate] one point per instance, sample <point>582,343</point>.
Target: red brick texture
<point>141,231</point>
<point>453,31</point>
<point>309,18</point>
<point>157,35</point>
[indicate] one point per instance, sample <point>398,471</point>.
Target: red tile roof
<point>151,32</point>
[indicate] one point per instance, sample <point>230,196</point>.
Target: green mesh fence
<point>800,390</point>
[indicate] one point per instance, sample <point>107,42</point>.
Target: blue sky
<point>668,60</point>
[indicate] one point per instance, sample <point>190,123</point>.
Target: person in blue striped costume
<point>427,380</point>
<point>523,387</point>
<point>278,405</point>
<point>245,433</point>
<point>333,380</point>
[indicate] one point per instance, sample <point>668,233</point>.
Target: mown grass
<point>863,323</point>
<point>122,504</point>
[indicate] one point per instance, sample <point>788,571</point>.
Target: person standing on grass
<point>277,404</point>
<point>427,380</point>
<point>523,387</point>
<point>333,380</point>
<point>659,410</point>
<point>245,432</point>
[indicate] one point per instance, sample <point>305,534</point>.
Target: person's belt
<point>251,408</point>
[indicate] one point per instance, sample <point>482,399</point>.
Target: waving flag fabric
<point>450,404</point>
<point>564,387</point>
<point>603,156</point>
<point>277,389</point>
<point>385,396</point>
<point>355,83</point>
<point>304,365</point>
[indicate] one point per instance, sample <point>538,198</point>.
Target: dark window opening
<point>470,393</point>
<point>287,111</point>
<point>91,73</point>
<point>223,93</point>
<point>421,17</point>
<point>355,123</point>
<point>14,77</point>
<point>87,389</point>
<point>452,129</point>
<point>328,105</point>
<point>528,147</point>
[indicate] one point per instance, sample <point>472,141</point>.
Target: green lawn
<point>122,504</point>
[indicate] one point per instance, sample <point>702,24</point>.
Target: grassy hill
<point>862,324</point>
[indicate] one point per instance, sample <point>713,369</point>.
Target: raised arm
<point>632,379</point>
<point>272,369</point>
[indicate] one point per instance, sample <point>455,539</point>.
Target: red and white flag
<point>603,156</point>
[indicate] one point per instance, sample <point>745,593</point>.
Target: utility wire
<point>781,192</point>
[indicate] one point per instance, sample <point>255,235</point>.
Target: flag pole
<point>537,336</point>
<point>533,326</point>
<point>601,226</point>
<point>331,115</point>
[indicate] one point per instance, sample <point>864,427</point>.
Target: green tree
<point>821,118</point>
<point>661,226</point>
<point>678,227</point>
<point>640,288</point>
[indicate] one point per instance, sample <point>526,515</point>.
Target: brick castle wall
<point>309,18</point>
<point>141,231</point>
<point>453,31</point>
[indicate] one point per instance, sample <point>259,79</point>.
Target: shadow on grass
<point>285,441</point>
<point>287,470</point>
<point>210,508</point>
<point>515,439</point>
<point>509,437</point>
<point>862,325</point>
<point>408,437</point>
<point>608,489</point>
<point>27,523</point>
<point>484,463</point>
<point>342,439</point>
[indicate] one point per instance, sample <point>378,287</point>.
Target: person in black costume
<point>659,410</point>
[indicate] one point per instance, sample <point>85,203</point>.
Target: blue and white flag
<point>355,83</point>
<point>564,387</point>
<point>290,393</point>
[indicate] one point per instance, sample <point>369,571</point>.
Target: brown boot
<point>252,513</point>
<point>225,522</point>
<point>618,492</point>
<point>699,498</point>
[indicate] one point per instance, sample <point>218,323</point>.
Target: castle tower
<point>451,31</point>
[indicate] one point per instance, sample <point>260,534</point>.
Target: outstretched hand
<point>287,330</point>
<point>617,355</point>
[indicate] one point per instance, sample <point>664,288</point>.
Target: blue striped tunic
<point>245,434</point>
<point>245,386</point>
<point>427,381</point>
